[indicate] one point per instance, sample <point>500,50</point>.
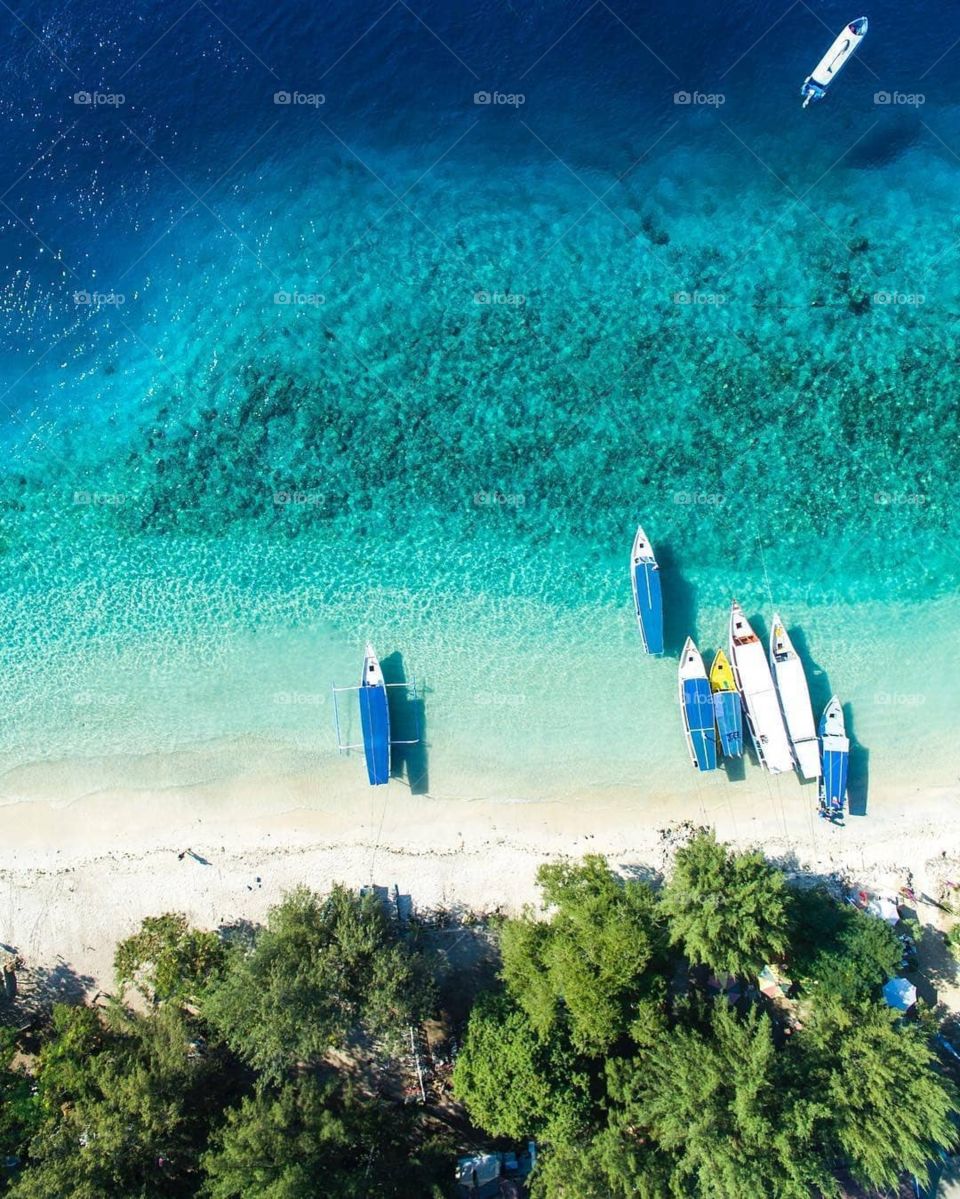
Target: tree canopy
<point>167,959</point>
<point>643,1074</point>
<point>726,910</point>
<point>323,967</point>
<point>626,1033</point>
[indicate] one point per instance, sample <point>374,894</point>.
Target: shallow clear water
<point>504,334</point>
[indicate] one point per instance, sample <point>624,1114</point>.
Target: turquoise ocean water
<point>399,365</point>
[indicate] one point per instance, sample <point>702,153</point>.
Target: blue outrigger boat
<point>374,719</point>
<point>696,709</point>
<point>647,598</point>
<point>835,751</point>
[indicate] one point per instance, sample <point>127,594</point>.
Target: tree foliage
<point>322,968</point>
<point>516,1084</point>
<point>890,1112</point>
<point>308,1139</point>
<point>726,910</point>
<point>715,1100</point>
<point>642,1083</point>
<point>839,948</point>
<point>587,966</point>
<point>604,1038</point>
<point>167,959</point>
<point>20,1111</point>
<point>128,1107</point>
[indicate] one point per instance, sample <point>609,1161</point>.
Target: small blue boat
<point>647,599</point>
<point>835,753</point>
<point>375,719</point>
<point>727,706</point>
<point>696,709</point>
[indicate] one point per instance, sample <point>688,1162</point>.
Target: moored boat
<point>794,699</point>
<point>835,747</point>
<point>751,671</point>
<point>374,719</point>
<point>647,598</point>
<point>696,709</point>
<point>727,708</point>
<point>844,46</point>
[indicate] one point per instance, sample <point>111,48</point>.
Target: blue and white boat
<point>845,45</point>
<point>647,599</point>
<point>727,706</point>
<point>835,753</point>
<point>375,719</point>
<point>376,741</point>
<point>696,708</point>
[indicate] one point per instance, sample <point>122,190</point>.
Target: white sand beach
<point>92,846</point>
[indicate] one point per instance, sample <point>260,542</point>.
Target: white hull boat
<point>794,700</point>
<point>755,683</point>
<point>845,45</point>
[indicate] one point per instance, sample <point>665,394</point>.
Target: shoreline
<point>78,876</point>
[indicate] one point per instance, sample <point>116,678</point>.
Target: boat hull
<point>698,722</point>
<point>761,704</point>
<point>647,596</point>
<point>374,720</point>
<point>835,748</point>
<point>844,46</point>
<point>727,707</point>
<point>791,681</point>
<point>728,713</point>
<point>648,601</point>
<point>696,709</point>
<point>375,727</point>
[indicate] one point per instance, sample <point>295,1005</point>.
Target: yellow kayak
<point>721,675</point>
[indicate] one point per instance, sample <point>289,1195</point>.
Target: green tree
<point>323,967</point>
<point>890,1110</point>
<point>726,910</point>
<point>588,964</point>
<point>516,1084</point>
<point>167,959</point>
<point>714,1100</point>
<point>322,1141</point>
<point>130,1118</point>
<point>20,1111</point>
<point>836,947</point>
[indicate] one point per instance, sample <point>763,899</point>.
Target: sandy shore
<point>89,848</point>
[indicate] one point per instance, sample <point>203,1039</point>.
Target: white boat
<point>755,683</point>
<point>647,596</point>
<point>845,45</point>
<point>794,700</point>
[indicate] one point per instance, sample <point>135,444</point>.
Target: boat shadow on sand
<point>820,695</point>
<point>408,722</point>
<point>679,603</point>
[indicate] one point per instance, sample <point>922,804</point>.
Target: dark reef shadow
<point>885,143</point>
<point>408,722</point>
<point>679,602</point>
